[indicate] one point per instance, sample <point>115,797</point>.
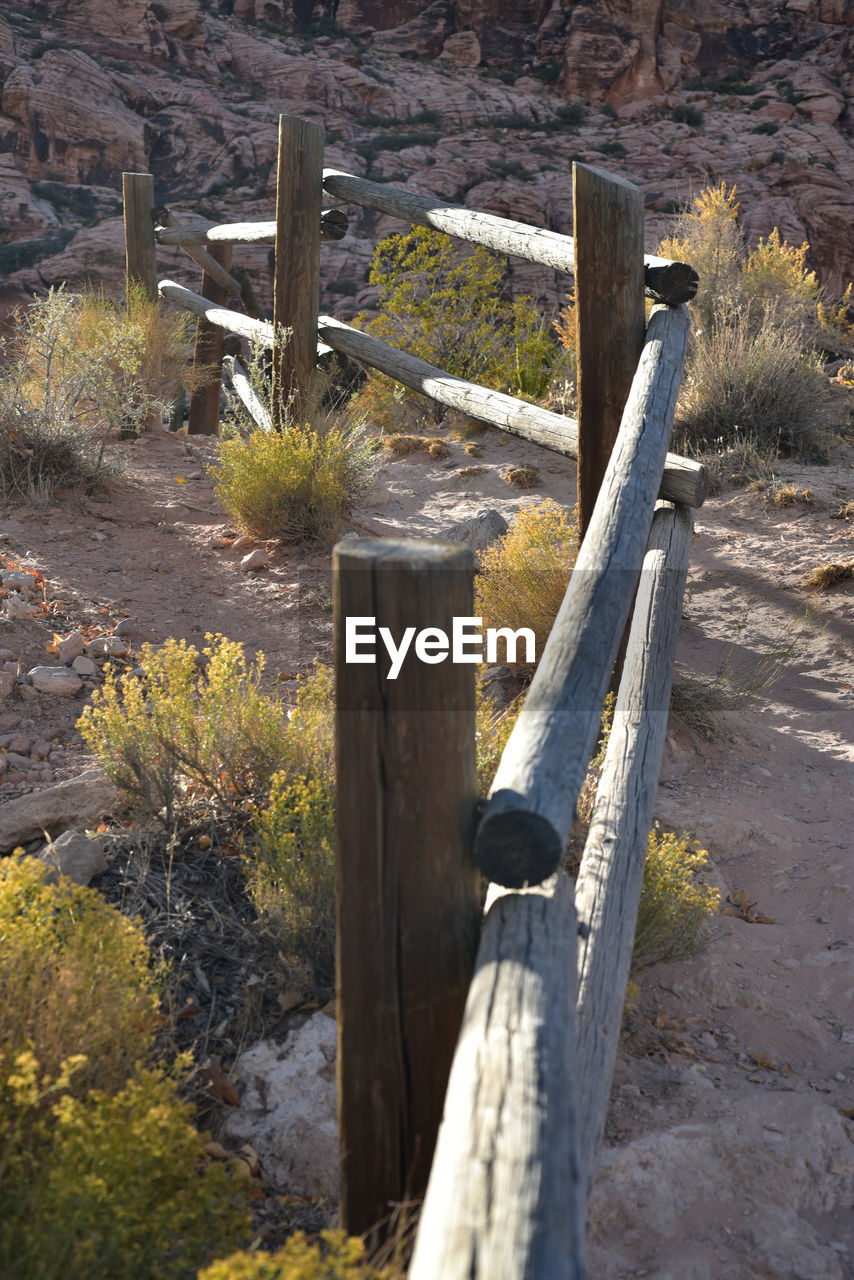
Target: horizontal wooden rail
<point>236,321</point>
<point>333,226</point>
<point>607,890</point>
<point>683,480</point>
<point>666,281</point>
<point>533,797</point>
<point>503,1201</point>
<point>164,218</point>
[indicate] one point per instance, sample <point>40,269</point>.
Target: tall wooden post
<point>609,300</point>
<point>408,901</point>
<point>204,401</point>
<point>296,280</point>
<point>140,262</point>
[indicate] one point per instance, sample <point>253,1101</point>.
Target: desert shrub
<point>99,1158</point>
<point>293,845</point>
<point>106,1185</point>
<point>295,484</point>
<point>333,1256</point>
<point>493,726</point>
<point>402,444</point>
<point>674,901</point>
<point>76,367</point>
<point>745,384</point>
<point>752,374</point>
<point>179,735</point>
<point>74,978</point>
<point>521,476</point>
<point>448,309</point>
<point>524,575</point>
<point>686,114</point>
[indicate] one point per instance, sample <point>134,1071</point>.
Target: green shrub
<point>448,310</point>
<point>74,978</point>
<point>106,1186</point>
<point>293,847</point>
<point>686,114</point>
<point>333,1257</point>
<point>766,126</point>
<point>296,484</point>
<point>179,735</point>
<point>524,576</point>
<point>674,902</point>
<point>99,1159</point>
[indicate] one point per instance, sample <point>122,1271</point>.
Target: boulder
<point>463,48</point>
<point>478,531</point>
<point>80,802</point>
<point>75,855</point>
<point>423,36</point>
<point>288,1107</point>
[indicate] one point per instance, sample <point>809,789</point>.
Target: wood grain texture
<point>502,234</point>
<point>243,388</point>
<point>609,882</point>
<point>140,246</point>
<point>534,793</point>
<point>209,262</point>
<point>610,320</point>
<point>296,274</point>
<point>504,1200</point>
<point>683,479</point>
<point>204,401</point>
<point>261,330</point>
<point>408,892</point>
<point>333,226</point>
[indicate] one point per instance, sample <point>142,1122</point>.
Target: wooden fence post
<point>296,278</point>
<point>408,899</point>
<point>204,401</point>
<point>140,261</point>
<point>609,302</point>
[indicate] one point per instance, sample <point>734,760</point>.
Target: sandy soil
<point>742,1060</point>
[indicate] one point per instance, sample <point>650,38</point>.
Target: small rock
<point>6,655</point>
<point>15,580</point>
<point>107,647</point>
<point>19,742</point>
<point>73,854</point>
<point>17,761</point>
<point>9,720</point>
<point>40,750</point>
<point>257,559</point>
<point>27,692</point>
<point>98,537</point>
<point>70,647</point>
<point>55,680</point>
<point>16,608</point>
<point>245,540</point>
<point>85,666</point>
<point>7,683</point>
<point>127,627</point>
<point>479,531</point>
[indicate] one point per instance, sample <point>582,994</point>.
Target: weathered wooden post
<point>408,900</point>
<point>609,302</point>
<point>296,279</point>
<point>140,261</point>
<point>204,400</point>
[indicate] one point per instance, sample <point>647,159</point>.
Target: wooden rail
<point>665,281</point>
<point>683,480</point>
<point>608,886</point>
<point>532,803</point>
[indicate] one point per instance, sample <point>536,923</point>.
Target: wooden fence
<point>476,1048</point>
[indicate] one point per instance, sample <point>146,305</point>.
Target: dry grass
<point>401,445</point>
<point>522,477</point>
<point>788,494</point>
<point>828,575</point>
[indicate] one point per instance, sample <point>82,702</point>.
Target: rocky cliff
<point>452,97</point>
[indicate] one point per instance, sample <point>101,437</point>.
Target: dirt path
<point>728,1153</point>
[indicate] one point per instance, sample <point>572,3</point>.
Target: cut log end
<point>516,848</point>
<point>673,284</point>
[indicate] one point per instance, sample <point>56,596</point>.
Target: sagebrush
<point>103,1172</point>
